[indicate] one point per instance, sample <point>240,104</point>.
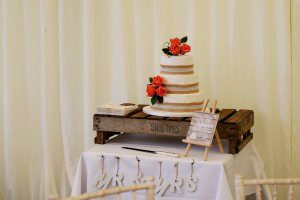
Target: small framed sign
<point>202,128</point>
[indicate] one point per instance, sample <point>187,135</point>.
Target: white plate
<point>148,110</point>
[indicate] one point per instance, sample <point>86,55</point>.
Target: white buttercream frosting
<point>164,106</point>
<point>176,70</point>
<point>179,83</point>
<point>183,98</point>
<point>186,89</point>
<point>180,79</point>
<point>176,60</point>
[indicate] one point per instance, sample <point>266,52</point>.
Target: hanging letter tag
<point>160,186</point>
<point>191,183</point>
<point>102,181</point>
<point>117,179</point>
<point>177,184</point>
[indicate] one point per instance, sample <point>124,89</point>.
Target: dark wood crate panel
<point>233,125</point>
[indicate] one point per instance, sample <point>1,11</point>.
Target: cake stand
<point>148,110</point>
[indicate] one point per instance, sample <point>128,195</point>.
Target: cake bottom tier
<point>178,107</point>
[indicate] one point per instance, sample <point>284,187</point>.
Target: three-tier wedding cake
<point>175,91</point>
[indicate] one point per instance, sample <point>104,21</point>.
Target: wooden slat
<point>140,108</point>
<point>239,123</point>
<point>225,114</point>
<point>156,117</point>
<point>239,116</point>
<point>100,139</point>
<point>140,115</point>
<point>127,104</point>
<point>143,126</point>
<point>142,105</point>
<point>176,118</point>
<point>232,146</point>
<point>246,124</point>
<point>245,141</point>
<point>227,131</point>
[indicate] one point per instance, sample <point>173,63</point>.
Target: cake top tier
<point>176,60</point>
<point>176,47</point>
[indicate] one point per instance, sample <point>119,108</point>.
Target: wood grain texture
<point>156,117</point>
<point>232,125</point>
<point>143,126</point>
<point>176,118</point>
<point>239,116</point>
<point>140,115</point>
<point>225,114</point>
<point>245,141</point>
<point>100,139</point>
<point>232,146</point>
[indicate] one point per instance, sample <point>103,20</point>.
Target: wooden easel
<point>216,134</point>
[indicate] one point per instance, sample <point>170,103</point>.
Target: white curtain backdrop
<point>61,58</point>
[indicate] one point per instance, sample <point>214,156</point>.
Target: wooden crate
<point>233,125</point>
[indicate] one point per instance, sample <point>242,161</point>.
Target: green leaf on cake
<point>150,79</point>
<point>154,100</point>
<point>160,99</point>
<point>184,39</point>
<point>166,51</point>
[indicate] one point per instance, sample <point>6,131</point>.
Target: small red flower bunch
<point>156,90</point>
<point>177,47</point>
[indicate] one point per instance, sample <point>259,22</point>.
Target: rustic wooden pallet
<point>233,125</point>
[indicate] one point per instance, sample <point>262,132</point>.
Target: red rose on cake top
<point>157,81</point>
<point>150,90</point>
<point>161,91</point>
<point>175,41</point>
<point>176,47</point>
<point>185,48</point>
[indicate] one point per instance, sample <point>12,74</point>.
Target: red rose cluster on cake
<point>156,90</point>
<point>177,47</point>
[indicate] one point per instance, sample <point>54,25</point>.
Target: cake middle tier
<point>180,103</point>
<point>181,84</point>
<point>177,70</point>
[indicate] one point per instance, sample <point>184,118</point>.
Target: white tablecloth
<point>216,176</point>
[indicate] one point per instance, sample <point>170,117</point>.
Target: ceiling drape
<point>59,59</point>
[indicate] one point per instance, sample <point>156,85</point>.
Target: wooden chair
<point>240,183</point>
<point>148,186</point>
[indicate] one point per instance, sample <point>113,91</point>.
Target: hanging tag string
<point>176,169</point>
<point>192,167</point>
<point>102,164</point>
<point>118,163</point>
<point>160,162</point>
<point>138,161</point>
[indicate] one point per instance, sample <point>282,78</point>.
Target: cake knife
<point>177,155</point>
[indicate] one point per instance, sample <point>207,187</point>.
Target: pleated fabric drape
<point>62,58</point>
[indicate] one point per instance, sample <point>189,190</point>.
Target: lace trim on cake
<point>178,106</point>
<point>177,70</point>
<point>181,86</point>
<point>181,104</point>
<point>177,66</point>
<point>183,92</point>
<point>177,73</point>
<point>176,110</point>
